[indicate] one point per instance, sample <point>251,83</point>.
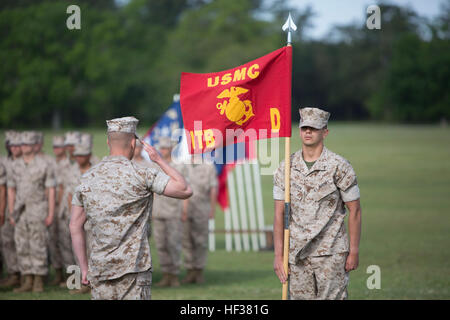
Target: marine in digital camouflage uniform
<point>71,138</point>
<point>64,175</point>
<point>322,183</point>
<point>61,163</point>
<point>54,255</point>
<point>82,154</point>
<point>2,207</point>
<point>38,148</point>
<point>115,198</point>
<point>87,139</point>
<point>139,159</point>
<point>32,213</point>
<point>200,208</point>
<point>13,143</point>
<point>167,224</point>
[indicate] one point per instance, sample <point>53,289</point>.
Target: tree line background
<point>127,59</point>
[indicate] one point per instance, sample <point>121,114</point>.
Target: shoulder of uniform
<point>337,159</point>
<point>89,171</point>
<point>293,157</point>
<point>297,155</point>
<point>40,158</point>
<point>142,168</point>
<point>212,166</point>
<point>15,162</point>
<point>138,165</point>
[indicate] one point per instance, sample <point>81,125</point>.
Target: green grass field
<point>404,178</point>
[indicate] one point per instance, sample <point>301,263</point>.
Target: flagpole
<point>289,26</point>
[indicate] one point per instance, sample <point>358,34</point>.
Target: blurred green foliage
<point>127,59</point>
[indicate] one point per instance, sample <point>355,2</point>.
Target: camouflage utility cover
<point>313,117</point>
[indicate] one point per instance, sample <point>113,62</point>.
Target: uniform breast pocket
<point>326,192</point>
<point>37,175</point>
<point>202,183</point>
<point>297,191</point>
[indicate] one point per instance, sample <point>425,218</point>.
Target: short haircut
<point>120,140</point>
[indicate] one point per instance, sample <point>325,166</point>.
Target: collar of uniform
<point>299,164</point>
<point>321,163</point>
<point>30,162</point>
<point>115,158</point>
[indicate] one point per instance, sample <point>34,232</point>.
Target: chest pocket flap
<point>325,190</point>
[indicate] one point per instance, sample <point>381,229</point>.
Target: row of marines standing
<point>36,229</point>
<point>35,224</point>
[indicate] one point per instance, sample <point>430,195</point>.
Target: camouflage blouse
<point>117,196</point>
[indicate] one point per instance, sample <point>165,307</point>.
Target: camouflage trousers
<point>131,286</point>
<point>319,278</point>
<point>168,233</point>
<point>30,237</point>
<point>64,243</point>
<point>195,242</point>
<point>53,244</point>
<point>9,248</point>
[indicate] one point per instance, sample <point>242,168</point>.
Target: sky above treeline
<point>341,12</point>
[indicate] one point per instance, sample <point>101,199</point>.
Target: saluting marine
<point>115,198</point>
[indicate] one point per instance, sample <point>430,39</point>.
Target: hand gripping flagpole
<point>288,26</point>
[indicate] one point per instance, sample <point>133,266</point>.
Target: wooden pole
<point>287,207</point>
<point>289,26</point>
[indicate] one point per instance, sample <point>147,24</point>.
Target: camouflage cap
<point>125,124</point>
<point>8,136</point>
<point>165,142</point>
<point>13,138</point>
<point>313,117</point>
<point>86,138</point>
<point>72,138</point>
<point>29,137</point>
<point>39,136</point>
<point>58,141</point>
<point>83,148</point>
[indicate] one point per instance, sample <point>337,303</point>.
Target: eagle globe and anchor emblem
<point>235,109</point>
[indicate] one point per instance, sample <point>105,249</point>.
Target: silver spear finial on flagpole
<point>290,26</point>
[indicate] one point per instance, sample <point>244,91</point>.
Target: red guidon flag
<point>246,103</point>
